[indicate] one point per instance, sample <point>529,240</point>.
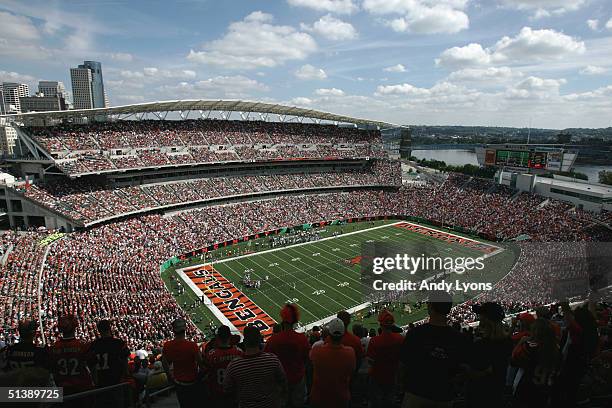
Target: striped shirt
<point>255,380</point>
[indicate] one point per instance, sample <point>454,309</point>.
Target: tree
<point>564,138</point>
<point>605,177</point>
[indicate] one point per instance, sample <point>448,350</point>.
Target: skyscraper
<point>12,92</point>
<point>52,88</point>
<point>87,85</point>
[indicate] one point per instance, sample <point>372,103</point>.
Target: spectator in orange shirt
<point>383,356</point>
<point>349,339</point>
<point>292,350</point>
<point>333,365</point>
<point>184,356</point>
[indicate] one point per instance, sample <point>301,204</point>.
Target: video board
<point>521,158</point>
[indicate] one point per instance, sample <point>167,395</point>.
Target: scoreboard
<point>521,158</point>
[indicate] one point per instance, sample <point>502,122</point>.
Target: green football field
<point>320,277</point>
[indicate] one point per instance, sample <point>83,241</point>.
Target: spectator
<point>185,358</point>
<point>432,354</point>
<point>333,366</point>
<point>25,354</point>
<point>257,378</point>
<point>383,356</point>
<point>111,356</point>
<point>216,360</point>
<point>70,359</point>
<point>292,350</point>
<point>349,339</point>
<point>490,357</point>
<point>538,358</point>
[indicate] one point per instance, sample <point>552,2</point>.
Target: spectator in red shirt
<point>333,366</point>
<point>292,350</point>
<point>383,356</point>
<point>184,356</point>
<point>70,359</point>
<point>349,339</point>
<point>216,360</point>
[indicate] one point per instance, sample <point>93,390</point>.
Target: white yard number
<point>248,270</point>
<point>343,284</point>
<point>274,264</point>
<point>295,259</point>
<point>370,240</point>
<point>353,245</point>
<point>294,300</point>
<point>318,292</point>
<point>316,254</point>
<point>385,237</point>
<point>335,249</point>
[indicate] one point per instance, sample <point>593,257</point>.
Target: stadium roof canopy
<point>202,108</point>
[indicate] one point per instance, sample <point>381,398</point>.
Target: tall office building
<point>87,85</point>
<point>12,92</point>
<point>2,108</point>
<point>52,88</point>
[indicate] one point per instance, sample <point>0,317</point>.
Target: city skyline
<point>449,62</point>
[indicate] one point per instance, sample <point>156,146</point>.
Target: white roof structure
<point>204,107</point>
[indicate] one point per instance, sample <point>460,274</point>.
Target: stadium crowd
<point>555,357</point>
<point>131,144</point>
<point>87,201</point>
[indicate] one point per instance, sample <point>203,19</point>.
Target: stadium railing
<point>116,396</point>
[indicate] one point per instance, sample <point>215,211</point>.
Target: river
<point>461,157</point>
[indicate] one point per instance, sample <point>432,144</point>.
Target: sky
<point>411,62</point>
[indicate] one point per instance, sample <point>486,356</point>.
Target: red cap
<point>385,318</point>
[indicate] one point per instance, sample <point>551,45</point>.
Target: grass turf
<point>317,276</point>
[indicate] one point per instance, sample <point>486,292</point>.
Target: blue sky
<point>464,62</point>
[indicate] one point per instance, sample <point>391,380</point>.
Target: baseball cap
<point>490,310</point>
<point>179,325</point>
<point>27,327</point>
<point>336,327</point>
<point>385,318</point>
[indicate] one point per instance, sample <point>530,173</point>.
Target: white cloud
<point>401,89</point>
<point>17,27</point>
<point>333,6</point>
<point>470,55</point>
<point>332,28</point>
<point>121,57</point>
<point>395,68</point>
<point>593,70</point>
<point>422,16</point>
<point>528,45</point>
<point>599,93</point>
<point>546,6</point>
<point>254,43</point>
<point>537,44</point>
<point>609,24</point>
<point>237,86</point>
<point>300,100</point>
<point>329,92</point>
<point>6,76</point>
<point>156,74</point>
<point>309,72</point>
<point>488,75</point>
<point>535,87</point>
<point>593,24</point>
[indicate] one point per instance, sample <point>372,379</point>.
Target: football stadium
<point>306,204</point>
<point>217,218</point>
